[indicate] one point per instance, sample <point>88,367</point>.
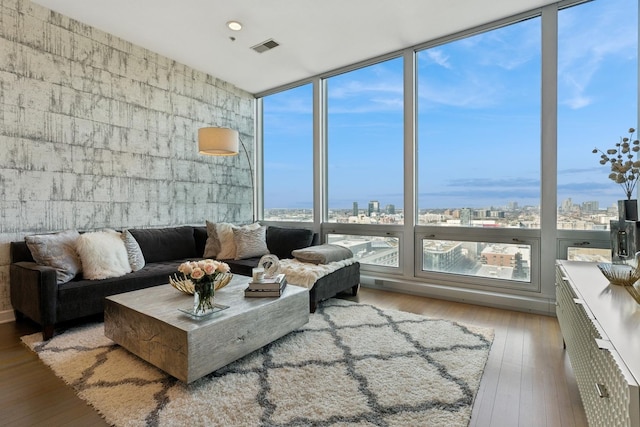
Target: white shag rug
<point>351,365</point>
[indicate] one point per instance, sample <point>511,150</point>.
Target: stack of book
<point>267,287</point>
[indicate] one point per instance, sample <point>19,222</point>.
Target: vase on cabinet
<point>628,210</point>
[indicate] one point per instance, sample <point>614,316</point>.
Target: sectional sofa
<point>36,293</point>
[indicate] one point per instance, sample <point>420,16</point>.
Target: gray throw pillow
<point>323,254</point>
<point>58,251</point>
<point>250,243</point>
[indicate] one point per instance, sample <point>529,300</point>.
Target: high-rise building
<point>591,206</point>
<point>465,216</point>
<point>355,209</point>
<point>567,205</point>
<point>391,209</point>
<point>374,207</point>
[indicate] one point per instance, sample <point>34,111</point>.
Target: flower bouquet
<point>204,275</point>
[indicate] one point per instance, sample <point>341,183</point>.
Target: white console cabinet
<point>600,324</point>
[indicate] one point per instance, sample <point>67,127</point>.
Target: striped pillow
<point>134,253</point>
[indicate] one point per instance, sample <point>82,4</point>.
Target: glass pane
<point>597,104</point>
<point>288,155</point>
<point>373,250</point>
<point>479,129</point>
<point>588,255</point>
<point>495,260</point>
<point>365,145</point>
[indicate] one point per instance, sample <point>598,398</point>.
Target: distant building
<point>504,255</point>
<point>590,206</point>
<point>567,205</point>
<point>391,209</point>
<point>441,255</point>
<point>465,216</point>
<point>355,209</point>
<point>374,207</point>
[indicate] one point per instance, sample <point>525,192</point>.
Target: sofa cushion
<point>243,267</point>
<point>250,243</point>
<point>103,254</point>
<point>81,297</point>
<point>281,241</point>
<point>166,244</point>
<point>323,254</point>
<point>200,236</point>
<point>57,250</point>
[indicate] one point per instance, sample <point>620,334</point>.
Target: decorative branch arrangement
<point>624,170</point>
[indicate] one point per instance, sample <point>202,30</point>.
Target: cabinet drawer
<point>610,394</point>
<point>608,387</point>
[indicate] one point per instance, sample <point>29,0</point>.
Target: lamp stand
<point>253,191</point>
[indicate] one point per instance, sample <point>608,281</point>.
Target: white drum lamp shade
<point>218,141</point>
<point>213,141</point>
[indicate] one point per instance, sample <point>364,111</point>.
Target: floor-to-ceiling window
<point>365,145</point>
<point>597,104</point>
<point>288,155</point>
<point>479,149</point>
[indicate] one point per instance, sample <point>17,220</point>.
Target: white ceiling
<point>315,36</point>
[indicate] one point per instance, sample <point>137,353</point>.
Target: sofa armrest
<point>34,291</point>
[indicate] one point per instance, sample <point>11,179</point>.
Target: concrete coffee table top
<point>149,324</point>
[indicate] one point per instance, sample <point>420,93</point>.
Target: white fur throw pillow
<point>103,255</point>
<point>224,230</point>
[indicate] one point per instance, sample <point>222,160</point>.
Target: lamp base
<point>625,240</point>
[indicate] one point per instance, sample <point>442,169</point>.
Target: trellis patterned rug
<point>351,365</point>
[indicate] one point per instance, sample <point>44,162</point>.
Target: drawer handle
<point>602,391</point>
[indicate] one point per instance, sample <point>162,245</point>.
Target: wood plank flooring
<point>528,380</point>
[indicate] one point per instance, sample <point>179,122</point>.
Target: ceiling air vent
<point>265,46</point>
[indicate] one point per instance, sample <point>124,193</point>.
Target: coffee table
<point>149,324</point>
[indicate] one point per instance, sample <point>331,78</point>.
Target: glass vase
<point>203,297</point>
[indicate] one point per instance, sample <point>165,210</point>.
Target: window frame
<point>502,235</point>
<point>547,243</point>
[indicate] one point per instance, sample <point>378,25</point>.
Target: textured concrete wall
<point>97,132</point>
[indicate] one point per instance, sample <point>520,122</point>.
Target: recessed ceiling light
<point>234,25</point>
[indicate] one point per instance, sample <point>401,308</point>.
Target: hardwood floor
<point>528,380</point>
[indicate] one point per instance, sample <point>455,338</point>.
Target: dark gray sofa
<point>36,295</point>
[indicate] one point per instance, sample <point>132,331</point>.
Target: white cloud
<point>438,57</point>
<point>589,38</point>
<point>366,96</point>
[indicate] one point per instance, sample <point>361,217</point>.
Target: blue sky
<point>478,119</point>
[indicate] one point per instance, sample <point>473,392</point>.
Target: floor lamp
<point>214,141</point>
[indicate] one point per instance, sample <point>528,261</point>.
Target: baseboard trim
<point>525,303</point>
<point>7,316</point>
